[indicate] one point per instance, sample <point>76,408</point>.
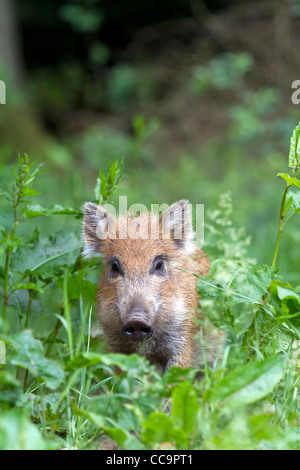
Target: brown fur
<point>167,300</point>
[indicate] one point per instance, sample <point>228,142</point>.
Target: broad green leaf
<point>248,383</point>
<point>28,353</point>
<point>247,432</point>
<point>242,283</point>
<point>132,363</point>
<point>229,294</point>
<point>294,153</point>
<point>47,257</point>
<point>184,408</point>
<point>36,211</point>
<point>79,287</point>
<point>159,428</point>
<point>18,433</point>
<point>251,282</point>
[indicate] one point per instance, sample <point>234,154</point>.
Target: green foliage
<point>127,85</point>
<point>294,154</point>
<point>223,73</point>
<point>18,433</point>
<point>87,17</point>
<point>290,200</point>
<point>57,390</point>
<point>248,383</point>
<point>106,186</point>
<point>83,17</point>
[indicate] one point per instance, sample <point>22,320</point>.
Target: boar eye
<point>115,269</point>
<point>158,267</point>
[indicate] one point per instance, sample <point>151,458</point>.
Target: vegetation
<point>189,101</point>
<point>64,392</point>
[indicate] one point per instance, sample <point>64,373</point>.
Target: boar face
<point>146,302</point>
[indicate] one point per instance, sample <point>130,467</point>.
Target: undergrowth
<point>58,385</point>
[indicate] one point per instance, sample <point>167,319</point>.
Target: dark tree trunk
<point>10,53</point>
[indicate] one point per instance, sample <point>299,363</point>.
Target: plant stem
<point>30,292</point>
<point>7,258</point>
<point>281,224</point>
<point>5,292</point>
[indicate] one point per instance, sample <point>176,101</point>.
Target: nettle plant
<point>58,387</point>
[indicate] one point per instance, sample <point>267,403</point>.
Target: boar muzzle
<point>136,330</point>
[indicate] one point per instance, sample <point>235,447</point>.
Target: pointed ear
<point>98,225</point>
<point>177,224</point>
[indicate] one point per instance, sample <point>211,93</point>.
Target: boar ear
<point>98,225</point>
<point>177,224</point>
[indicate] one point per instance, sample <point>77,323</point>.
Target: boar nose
<point>136,330</point>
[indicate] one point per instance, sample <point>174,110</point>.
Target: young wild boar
<point>145,303</point>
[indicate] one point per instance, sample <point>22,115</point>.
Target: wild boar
<point>147,298</point>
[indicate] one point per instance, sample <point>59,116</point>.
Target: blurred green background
<point>194,94</point>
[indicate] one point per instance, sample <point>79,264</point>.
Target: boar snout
<point>136,330</point>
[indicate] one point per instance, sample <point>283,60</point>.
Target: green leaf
<point>29,192</point>
<point>287,204</point>
<point>294,153</point>
<point>18,433</point>
<point>106,186</point>
<point>229,285</point>
<point>79,287</point>
<point>10,387</point>
<point>159,428</point>
<point>294,200</point>
<point>184,408</point>
<point>84,360</point>
<point>251,282</point>
<point>242,283</point>
<point>27,286</point>
<point>176,375</point>
<point>28,353</point>
<point>119,435</point>
<point>285,293</point>
<point>291,180</point>
<point>47,257</point>
<point>132,364</point>
<point>36,211</point>
<point>82,18</point>
<point>249,383</point>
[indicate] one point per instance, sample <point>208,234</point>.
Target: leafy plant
<point>59,387</point>
<point>290,204</point>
